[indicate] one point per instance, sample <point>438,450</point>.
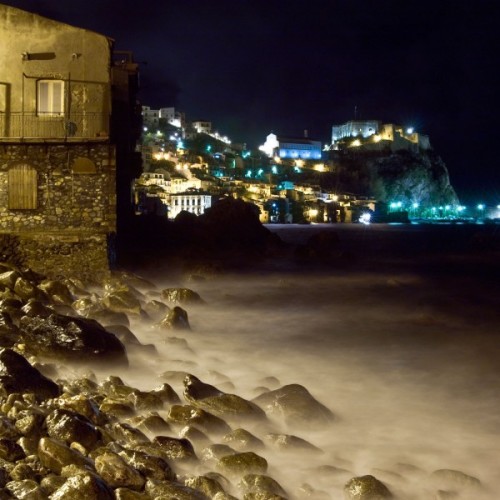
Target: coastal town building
<point>292,147</point>
<point>193,201</point>
<point>152,117</point>
<point>374,135</point>
<point>69,121</point>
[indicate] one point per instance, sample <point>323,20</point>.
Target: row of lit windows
<point>187,202</point>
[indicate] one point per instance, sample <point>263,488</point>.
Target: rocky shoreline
<point>71,426</point>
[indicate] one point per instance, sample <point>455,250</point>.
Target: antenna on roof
<point>355,112</point>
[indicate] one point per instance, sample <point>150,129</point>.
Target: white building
<point>195,202</point>
<point>151,117</point>
<point>374,135</point>
<point>202,126</point>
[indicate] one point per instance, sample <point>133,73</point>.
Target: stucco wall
<point>33,47</point>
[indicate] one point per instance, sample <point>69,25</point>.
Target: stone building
<point>68,126</point>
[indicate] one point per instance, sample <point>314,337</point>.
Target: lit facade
<point>193,201</point>
<point>292,147</point>
<point>374,135</point>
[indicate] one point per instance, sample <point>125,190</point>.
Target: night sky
<point>256,66</point>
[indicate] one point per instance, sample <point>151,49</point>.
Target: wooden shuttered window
<point>23,187</point>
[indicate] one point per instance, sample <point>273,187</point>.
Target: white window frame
<point>50,97</point>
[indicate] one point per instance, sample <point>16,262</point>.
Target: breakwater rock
<point>74,431</point>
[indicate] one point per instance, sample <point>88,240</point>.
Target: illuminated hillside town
<point>189,165</point>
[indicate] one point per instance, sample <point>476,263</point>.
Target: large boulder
<point>209,398</point>
<point>366,488</point>
<point>295,405</point>
<point>181,296</point>
<point>54,455</point>
<point>71,339</point>
<point>241,464</point>
<point>175,319</point>
<point>17,375</point>
<point>68,427</point>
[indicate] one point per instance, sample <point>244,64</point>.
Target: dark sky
<point>256,66</point>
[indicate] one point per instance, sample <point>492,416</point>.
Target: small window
<point>23,187</point>
<point>50,98</point>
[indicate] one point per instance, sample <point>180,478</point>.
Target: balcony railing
<point>17,126</point>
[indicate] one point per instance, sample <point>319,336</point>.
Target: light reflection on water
<point>408,361</point>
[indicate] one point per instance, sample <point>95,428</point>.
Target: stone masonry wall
<point>71,230</point>
<point>85,257</point>
<point>76,187</point>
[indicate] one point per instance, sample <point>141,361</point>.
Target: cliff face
<point>405,176</point>
<point>411,178</point>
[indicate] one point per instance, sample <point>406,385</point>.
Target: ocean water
<point>400,340</point>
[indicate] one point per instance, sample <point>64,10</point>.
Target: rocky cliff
<point>405,176</point>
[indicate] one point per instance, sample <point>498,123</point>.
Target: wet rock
<point>17,375</point>
<point>150,424</point>
<point>35,308</point>
<point>172,490</point>
<point>287,442</point>
<point>223,496</point>
<point>167,394</point>
<point>211,399</point>
<point>134,281</point>
<point>296,405</point>
<point>145,400</point>
<point>122,301</point>
<point>7,428</point>
<point>189,415</point>
<point>125,433</point>
<point>106,317</point>
<point>26,290</point>
<point>155,309</point>
<point>70,338</point>
<point>86,304</point>
<point>57,291</point>
<point>9,278</point>
<point>68,427</point>
<point>23,472</point>
<point>30,422</point>
<point>366,488</point>
<point>9,333</point>
<point>175,319</point>
<point>83,405</point>
<point>216,452</point>
<point>242,440</point>
<point>206,485</point>
<point>26,489</point>
<point>181,296</point>
<point>259,483</point>
<point>126,494</point>
<point>124,334</point>
<point>10,450</point>
<point>175,449</point>
<point>241,464</point>
<point>55,455</point>
<point>454,479</point>
<point>117,474</point>
<point>194,435</point>
<point>83,486</point>
<point>150,466</point>
<point>51,483</point>
<point>116,408</point>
